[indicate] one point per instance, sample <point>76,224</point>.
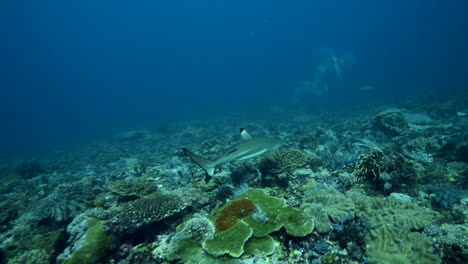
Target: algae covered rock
<point>45,242</point>
<point>90,246</point>
<point>35,256</point>
<point>391,122</point>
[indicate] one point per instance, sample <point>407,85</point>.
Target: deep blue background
<point>75,70</point>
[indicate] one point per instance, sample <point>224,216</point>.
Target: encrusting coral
<point>328,206</point>
<point>250,235</point>
<point>387,245</point>
<point>394,237</point>
<point>232,241</point>
<point>235,211</point>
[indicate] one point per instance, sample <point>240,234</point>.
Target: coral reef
<point>364,186</point>
<point>446,195</point>
<point>33,256</point>
<point>391,122</point>
<point>385,212</point>
<point>249,236</point>
<point>288,159</point>
<point>454,241</point>
<point>143,211</point>
<point>200,227</point>
<point>138,188</point>
<point>65,202</point>
<point>235,211</point>
<point>88,242</point>
<point>328,206</point>
<point>394,237</point>
<point>279,215</point>
<point>229,242</point>
<point>392,171</point>
<point>392,245</point>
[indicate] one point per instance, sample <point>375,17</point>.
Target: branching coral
<point>378,168</point>
<point>200,227</point>
<point>289,158</point>
<point>67,201</point>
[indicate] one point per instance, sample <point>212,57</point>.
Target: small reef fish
<point>249,147</point>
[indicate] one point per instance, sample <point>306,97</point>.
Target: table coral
<point>138,187</point>
<point>135,214</point>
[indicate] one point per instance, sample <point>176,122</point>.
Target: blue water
<point>73,71</point>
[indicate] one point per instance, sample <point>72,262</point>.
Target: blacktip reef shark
<point>249,147</point>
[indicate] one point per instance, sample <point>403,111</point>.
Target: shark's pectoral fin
<point>210,171</point>
<point>245,135</point>
<point>269,155</point>
<point>206,164</point>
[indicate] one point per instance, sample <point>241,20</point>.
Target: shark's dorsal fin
<point>244,134</point>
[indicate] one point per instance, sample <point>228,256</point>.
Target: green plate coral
<point>250,236</point>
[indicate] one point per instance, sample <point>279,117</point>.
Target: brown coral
<point>232,213</point>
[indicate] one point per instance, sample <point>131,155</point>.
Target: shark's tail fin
<point>206,164</point>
